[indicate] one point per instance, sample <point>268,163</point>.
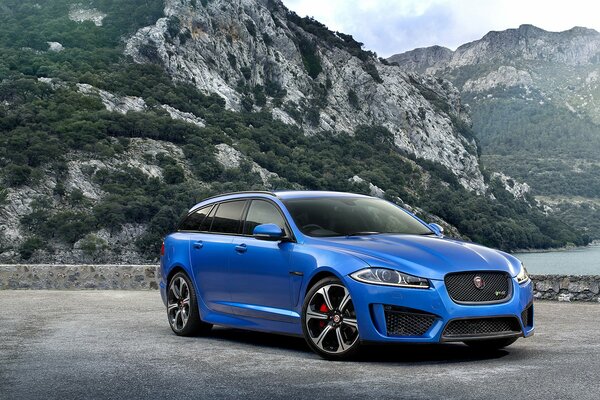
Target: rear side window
<point>205,226</point>
<point>262,212</point>
<point>193,222</point>
<point>227,218</point>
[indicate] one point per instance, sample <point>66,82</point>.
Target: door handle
<point>241,248</point>
<point>198,245</point>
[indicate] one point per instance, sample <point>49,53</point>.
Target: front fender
<point>310,261</point>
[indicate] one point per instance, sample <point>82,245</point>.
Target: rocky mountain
<point>534,101</point>
<point>576,46</point>
<point>116,117</point>
<point>424,60</point>
<point>233,47</point>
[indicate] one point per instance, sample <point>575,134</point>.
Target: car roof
<point>283,195</point>
<point>311,194</point>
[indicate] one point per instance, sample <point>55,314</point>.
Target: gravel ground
<point>117,344</point>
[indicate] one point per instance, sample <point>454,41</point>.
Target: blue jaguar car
<point>339,269</point>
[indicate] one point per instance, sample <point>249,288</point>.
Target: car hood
<point>426,256</point>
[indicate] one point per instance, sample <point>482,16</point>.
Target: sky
<point>393,26</point>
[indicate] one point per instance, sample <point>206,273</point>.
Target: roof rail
<point>242,192</point>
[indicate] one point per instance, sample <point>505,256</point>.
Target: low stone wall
<point>138,277</point>
<point>144,277</point>
<point>567,287</point>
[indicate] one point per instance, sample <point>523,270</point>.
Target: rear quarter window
<point>194,221</point>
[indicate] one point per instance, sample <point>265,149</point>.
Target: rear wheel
<point>182,307</point>
<point>491,344</point>
<point>329,320</point>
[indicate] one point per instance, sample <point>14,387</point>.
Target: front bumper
<point>371,303</point>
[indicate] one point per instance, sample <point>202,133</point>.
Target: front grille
<point>461,287</point>
<point>405,323</point>
<point>481,327</point>
<point>527,316</point>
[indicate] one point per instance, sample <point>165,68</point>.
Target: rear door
<point>210,250</point>
<point>260,270</point>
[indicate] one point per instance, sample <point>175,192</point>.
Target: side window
<point>227,217</point>
<point>194,221</point>
<point>205,226</point>
<point>262,212</point>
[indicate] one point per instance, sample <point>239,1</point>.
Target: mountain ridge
<point>526,42</point>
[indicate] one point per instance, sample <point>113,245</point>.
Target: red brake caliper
<point>324,310</point>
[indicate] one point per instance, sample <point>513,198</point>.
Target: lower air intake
<point>527,316</point>
<point>481,327</point>
<point>401,323</point>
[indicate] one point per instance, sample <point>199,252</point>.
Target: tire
<point>491,344</point>
<point>182,307</point>
<point>329,321</point>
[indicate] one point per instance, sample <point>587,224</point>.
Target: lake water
<point>579,261</point>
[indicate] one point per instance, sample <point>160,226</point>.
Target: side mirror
<point>438,229</point>
<point>269,232</point>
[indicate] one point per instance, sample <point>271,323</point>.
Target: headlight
<point>522,276</point>
<point>389,277</point>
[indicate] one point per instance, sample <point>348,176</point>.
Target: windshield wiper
<point>364,233</point>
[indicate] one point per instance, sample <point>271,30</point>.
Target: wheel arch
<point>319,275</point>
<point>174,270</point>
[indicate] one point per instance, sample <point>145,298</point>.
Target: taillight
<point>162,249</point>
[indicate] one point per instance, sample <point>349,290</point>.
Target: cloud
<point>393,26</point>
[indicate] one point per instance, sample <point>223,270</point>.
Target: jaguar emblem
<point>478,282</point>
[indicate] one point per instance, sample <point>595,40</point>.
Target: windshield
<point>343,216</point>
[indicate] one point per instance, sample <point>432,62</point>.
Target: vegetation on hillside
<point>43,127</point>
<point>552,149</point>
<point>511,126</point>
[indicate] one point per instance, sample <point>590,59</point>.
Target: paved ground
<point>109,344</point>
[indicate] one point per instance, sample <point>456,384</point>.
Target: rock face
<point>79,13</point>
<point>55,47</point>
<point>517,189</point>
<point>507,76</point>
<point>120,104</point>
<point>231,47</point>
<point>229,158</point>
<point>423,59</point>
<point>558,68</point>
<point>81,166</point>
<point>374,190</point>
<point>577,46</point>
<point>124,104</point>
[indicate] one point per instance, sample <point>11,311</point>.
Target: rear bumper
<point>162,286</point>
<point>371,303</point>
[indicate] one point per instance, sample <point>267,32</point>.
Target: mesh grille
<point>407,323</point>
<point>481,327</point>
<point>461,287</point>
<point>526,316</point>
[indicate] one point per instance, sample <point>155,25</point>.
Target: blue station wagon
<point>339,269</point>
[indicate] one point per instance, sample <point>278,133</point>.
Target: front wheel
<point>182,307</point>
<point>490,344</point>
<point>329,320</point>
